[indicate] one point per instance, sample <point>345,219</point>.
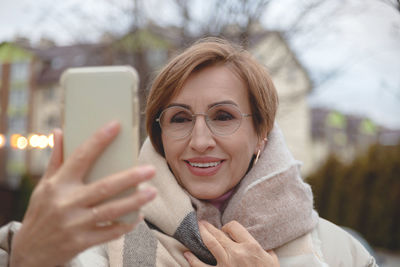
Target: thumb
<point>275,258</point>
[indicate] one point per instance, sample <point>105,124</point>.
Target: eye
<point>222,115</point>
<point>181,117</point>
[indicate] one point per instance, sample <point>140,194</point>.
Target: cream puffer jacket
<point>323,250</point>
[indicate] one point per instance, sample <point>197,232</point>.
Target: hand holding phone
<point>93,97</point>
<point>65,216</point>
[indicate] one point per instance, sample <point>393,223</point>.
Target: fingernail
<point>111,128</point>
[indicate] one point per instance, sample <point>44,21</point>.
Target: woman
<point>229,191</point>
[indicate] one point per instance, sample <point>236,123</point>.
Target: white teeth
<point>205,165</point>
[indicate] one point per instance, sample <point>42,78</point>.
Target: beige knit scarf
<point>272,202</point>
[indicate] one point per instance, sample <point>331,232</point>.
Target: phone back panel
<point>93,97</point>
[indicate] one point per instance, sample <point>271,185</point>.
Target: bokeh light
<point>2,140</point>
<point>43,141</point>
<point>22,142</point>
<point>14,140</point>
<point>51,140</point>
<point>34,140</point>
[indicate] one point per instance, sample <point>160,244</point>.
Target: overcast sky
<point>362,42</point>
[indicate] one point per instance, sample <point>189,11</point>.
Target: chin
<point>205,195</point>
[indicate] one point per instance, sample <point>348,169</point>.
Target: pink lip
<point>204,171</point>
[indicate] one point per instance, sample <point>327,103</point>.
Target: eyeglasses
<point>221,119</point>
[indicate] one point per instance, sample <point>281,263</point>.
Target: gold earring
<point>258,155</point>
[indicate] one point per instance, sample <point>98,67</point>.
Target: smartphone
<point>92,97</point>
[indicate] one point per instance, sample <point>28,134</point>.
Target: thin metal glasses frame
<point>207,120</point>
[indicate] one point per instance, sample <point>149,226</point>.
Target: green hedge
<point>364,195</point>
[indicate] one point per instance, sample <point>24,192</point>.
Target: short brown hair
<point>207,52</point>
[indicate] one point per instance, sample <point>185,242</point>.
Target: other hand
<point>232,246</point>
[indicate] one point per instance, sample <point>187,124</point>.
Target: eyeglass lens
<point>222,119</point>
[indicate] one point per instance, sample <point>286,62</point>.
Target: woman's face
<point>205,164</point>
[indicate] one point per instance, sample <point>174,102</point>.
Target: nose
<point>201,138</point>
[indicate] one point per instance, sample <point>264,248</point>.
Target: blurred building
<point>346,135</point>
<point>17,86</point>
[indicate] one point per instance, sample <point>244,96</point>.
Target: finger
<point>56,157</point>
<point>106,233</point>
<point>212,242</point>
<point>273,255</point>
<point>218,234</point>
<point>237,232</point>
<point>106,188</point>
<point>112,210</point>
<point>82,159</point>
<point>193,260</point>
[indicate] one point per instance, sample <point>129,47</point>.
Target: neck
<point>220,201</point>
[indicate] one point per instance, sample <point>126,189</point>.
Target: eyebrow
<point>178,105</point>
<point>209,106</point>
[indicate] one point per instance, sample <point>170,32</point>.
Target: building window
<point>367,127</point>
<point>18,98</point>
<point>17,124</point>
<point>19,71</point>
<point>57,63</point>
<point>336,120</point>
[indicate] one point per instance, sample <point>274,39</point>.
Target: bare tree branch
<point>392,3</point>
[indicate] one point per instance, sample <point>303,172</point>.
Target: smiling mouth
<point>204,164</point>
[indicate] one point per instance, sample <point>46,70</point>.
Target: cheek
<point>243,159</point>
<point>168,150</point>
<point>244,149</point>
<point>242,153</point>
<point>249,141</point>
<point>172,151</point>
